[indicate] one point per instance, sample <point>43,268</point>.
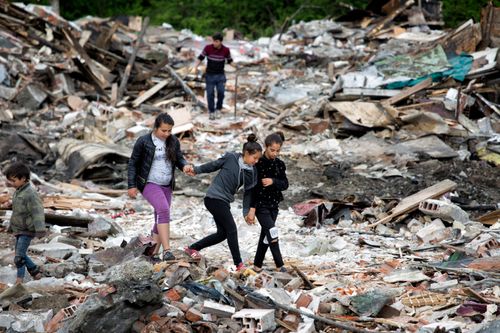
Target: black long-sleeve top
<point>271,195</point>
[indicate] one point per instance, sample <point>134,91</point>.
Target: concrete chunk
<point>31,97</point>
<point>220,310</point>
<point>54,250</point>
<point>444,210</point>
<point>256,320</point>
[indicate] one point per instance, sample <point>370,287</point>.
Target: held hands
<point>132,192</point>
<point>188,169</point>
<point>267,182</point>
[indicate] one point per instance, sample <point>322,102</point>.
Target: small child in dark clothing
<point>267,196</point>
<point>27,220</point>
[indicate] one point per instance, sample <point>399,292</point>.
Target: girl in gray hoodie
<point>235,170</point>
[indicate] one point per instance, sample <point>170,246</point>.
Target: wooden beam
<point>150,92</point>
<point>410,203</point>
<point>185,87</point>
<point>128,68</point>
<point>376,29</point>
<point>404,94</point>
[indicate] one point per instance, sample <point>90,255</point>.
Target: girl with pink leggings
<point>151,171</point>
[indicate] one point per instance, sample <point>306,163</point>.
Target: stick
<point>131,60</point>
<point>185,87</point>
<point>303,277</point>
<point>322,319</point>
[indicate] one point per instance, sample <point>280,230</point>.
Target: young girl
<point>27,220</point>
<point>236,170</point>
<point>272,180</point>
<point>151,171</point>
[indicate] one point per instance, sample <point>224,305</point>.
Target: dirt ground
<point>478,182</point>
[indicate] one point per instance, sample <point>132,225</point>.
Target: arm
<point>137,153</point>
<point>281,183</point>
<point>35,206</point>
<point>180,161</point>
<point>211,166</point>
<point>249,204</point>
<point>198,61</point>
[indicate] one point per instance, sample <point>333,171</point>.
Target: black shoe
<point>283,269</point>
<point>155,259</point>
<point>167,255</point>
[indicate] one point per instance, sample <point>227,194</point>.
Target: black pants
<point>268,236</point>
<point>226,228</point>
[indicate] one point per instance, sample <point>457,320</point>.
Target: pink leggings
<point>160,198</point>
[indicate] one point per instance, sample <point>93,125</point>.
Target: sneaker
<point>218,114</point>
<point>283,269</point>
<point>167,255</point>
<point>241,267</point>
<point>192,253</point>
<point>211,116</point>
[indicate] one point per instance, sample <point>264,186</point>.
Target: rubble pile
<point>391,220</point>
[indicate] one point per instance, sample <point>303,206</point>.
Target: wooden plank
<point>367,114</point>
<point>149,93</point>
<point>490,218</point>
<point>488,103</point>
<point>87,65</point>
<point>411,202</point>
<point>372,92</point>
<point>185,87</point>
<point>377,28</point>
<point>128,68</point>
<point>408,92</point>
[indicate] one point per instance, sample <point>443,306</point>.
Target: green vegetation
<point>253,18</point>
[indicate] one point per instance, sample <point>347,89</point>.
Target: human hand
<point>250,218</point>
<point>267,181</point>
<point>188,169</point>
<point>132,192</point>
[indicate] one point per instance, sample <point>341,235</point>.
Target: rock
<point>54,250</point>
<point>31,97</point>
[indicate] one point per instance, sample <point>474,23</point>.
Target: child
<point>27,220</point>
<point>151,171</point>
<point>236,170</point>
<point>272,180</point>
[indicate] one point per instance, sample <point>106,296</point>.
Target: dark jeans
<point>268,236</point>
<point>21,258</point>
<point>215,81</point>
<point>226,229</point>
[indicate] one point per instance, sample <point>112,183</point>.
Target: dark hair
<point>165,118</point>
<point>277,137</point>
<point>18,170</point>
<point>252,146</point>
<point>217,36</point>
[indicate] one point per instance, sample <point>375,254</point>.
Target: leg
<point>274,245</point>
<point>220,234</point>
<point>267,219</point>
<point>21,258</point>
<point>210,86</point>
<point>226,228</point>
<point>261,249</point>
<point>163,222</point>
<point>220,85</point>
<point>160,198</point>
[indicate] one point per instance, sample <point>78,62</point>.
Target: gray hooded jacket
<point>229,179</point>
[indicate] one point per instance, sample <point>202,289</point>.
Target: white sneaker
<point>218,114</point>
<point>211,116</point>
